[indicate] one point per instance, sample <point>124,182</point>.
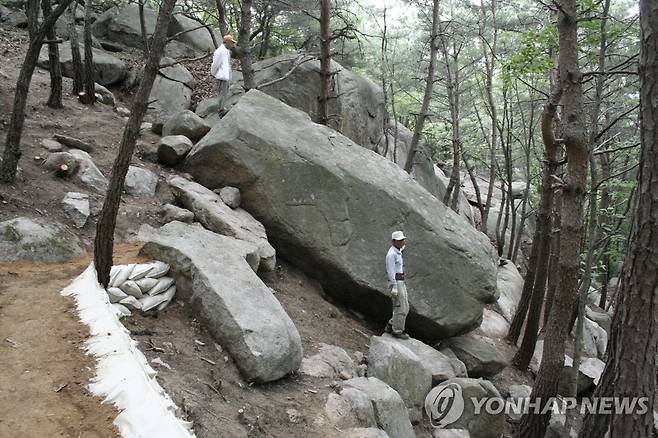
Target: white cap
<point>397,235</point>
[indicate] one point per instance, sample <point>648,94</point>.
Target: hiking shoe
<point>400,335</point>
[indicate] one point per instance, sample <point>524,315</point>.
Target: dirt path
<point>44,371</point>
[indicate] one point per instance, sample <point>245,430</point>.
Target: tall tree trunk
<point>535,424</point>
<point>543,235</point>
<point>427,96</point>
<point>452,90</point>
<point>221,17</point>
<point>32,13</point>
<point>104,240</point>
<point>12,152</point>
<point>554,259</point>
<point>76,59</point>
<point>245,46</point>
<point>55,68</point>
<point>631,366</point>
<point>384,77</point>
<point>89,96</point>
<point>142,27</point>
<point>325,61</point>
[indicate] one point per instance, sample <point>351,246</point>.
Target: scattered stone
<point>230,196</point>
<point>240,311</point>
<point>294,416</point>
<point>173,149</point>
<point>104,96</point>
<point>188,124</point>
<point>331,362</point>
<point>62,163</point>
<point>73,143</point>
<point>108,69</point>
<point>140,181</point>
<point>484,424</point>
<point>172,213</point>
<point>479,354</point>
<point>216,216</point>
<point>88,173</point>
<point>33,240</point>
<point>76,205</point>
<point>52,145</point>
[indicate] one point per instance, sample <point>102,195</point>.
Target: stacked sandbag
<point>140,287</point>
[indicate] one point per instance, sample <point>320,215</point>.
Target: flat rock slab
<point>76,206</point>
<point>479,354</point>
<point>210,210</point>
<point>35,240</point>
<point>140,181</point>
<point>330,206</point>
<point>331,361</point>
<point>216,274</point>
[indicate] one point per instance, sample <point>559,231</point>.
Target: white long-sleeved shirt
<point>221,64</point>
<point>394,264</point>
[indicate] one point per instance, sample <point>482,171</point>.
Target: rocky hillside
<point>274,229</point>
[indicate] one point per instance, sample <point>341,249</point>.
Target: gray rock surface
<point>330,207</point>
<point>510,285</point>
<point>390,414</point>
<point>199,39</point>
<point>230,196</point>
<point>108,69</point>
<point>120,24</point>
<point>171,213</point>
<point>450,433</point>
<point>401,369</point>
<point>240,310</point>
<point>599,316</point>
<point>76,206</point>
<point>106,97</point>
<point>186,123</point>
<point>55,161</point>
<point>330,361</point>
<point>88,173</point>
<point>493,325</point>
<point>216,216</point>
<point>11,17</point>
<point>168,98</point>
<point>74,143</point>
<point>479,354</point>
<point>173,149</point>
<point>52,145</point>
<point>34,240</point>
<point>176,72</point>
<point>484,424</point>
<point>364,432</point>
<point>140,182</point>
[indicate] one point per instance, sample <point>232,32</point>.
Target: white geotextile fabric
<point>123,375</point>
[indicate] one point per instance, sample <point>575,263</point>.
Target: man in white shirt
<point>397,288</point>
<point>221,70</point>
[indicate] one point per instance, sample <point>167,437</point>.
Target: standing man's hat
<point>397,235</point>
<point>229,39</point>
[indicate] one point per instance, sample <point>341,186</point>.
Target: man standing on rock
<point>221,70</point>
<point>398,290</point>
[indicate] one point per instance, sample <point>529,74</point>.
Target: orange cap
<point>229,39</point>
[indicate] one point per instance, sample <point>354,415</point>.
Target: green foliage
<point>533,57</point>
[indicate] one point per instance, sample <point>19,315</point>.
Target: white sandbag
<point>146,284</point>
<point>168,295</point>
<point>140,271</point>
<point>164,283</point>
<point>149,302</point>
<point>160,269</point>
<point>120,310</point>
<point>115,294</point>
<point>121,275</point>
<point>131,288</point>
<point>131,301</point>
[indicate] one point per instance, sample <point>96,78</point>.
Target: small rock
<point>172,149</point>
<point>76,205</point>
<point>105,96</point>
<point>146,126</point>
<point>140,181</point>
<point>73,143</point>
<point>88,173</point>
<point>172,213</point>
<point>52,145</point>
<point>62,163</point>
<point>330,361</point>
<point>230,196</point>
<point>344,375</point>
<point>293,415</point>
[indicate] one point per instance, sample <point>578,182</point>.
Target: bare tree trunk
<point>554,259</point>
<point>55,68</point>
<point>89,96</point>
<point>429,86</point>
<point>535,424</point>
<point>221,17</point>
<point>384,68</point>
<point>631,366</point>
<point>104,241</point>
<point>76,59</point>
<point>325,61</point>
<point>245,46</point>
<point>12,152</point>
<point>142,27</point>
<point>32,13</point>
<point>476,187</point>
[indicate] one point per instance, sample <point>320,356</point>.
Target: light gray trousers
<point>400,308</point>
<point>222,93</point>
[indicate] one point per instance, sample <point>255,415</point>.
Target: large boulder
<point>186,123</point>
<point>331,361</point>
<point>140,182</point>
<point>108,69</point>
<point>388,408</point>
<point>493,325</point>
<point>76,206</point>
<point>36,241</point>
<point>87,172</point>
<point>210,210</point>
<point>168,98</point>
<point>193,36</point>
<point>330,207</point>
<point>11,17</point>
<point>482,424</point>
<point>172,149</point>
<point>398,367</point>
<point>121,24</point>
<point>216,274</point>
<point>479,354</point>
<point>510,285</point>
